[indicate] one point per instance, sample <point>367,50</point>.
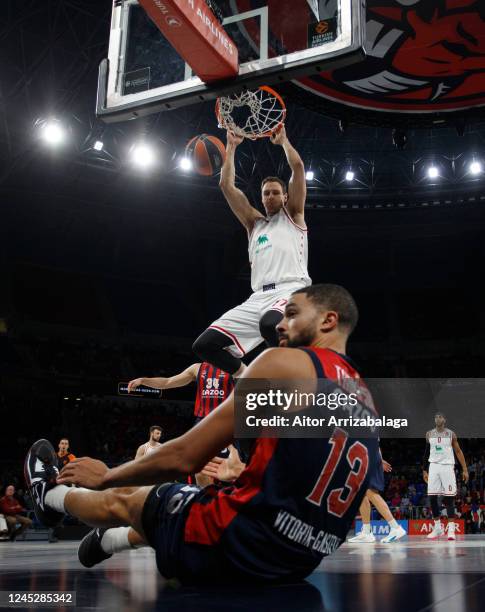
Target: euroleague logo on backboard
<point>321,27</point>
<point>421,55</point>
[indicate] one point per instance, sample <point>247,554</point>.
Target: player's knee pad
<point>267,326</point>
<point>210,346</point>
<point>208,341</point>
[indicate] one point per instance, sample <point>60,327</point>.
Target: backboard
<point>277,40</point>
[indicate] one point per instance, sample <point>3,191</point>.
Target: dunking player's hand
<point>233,139</point>
<point>278,137</point>
<point>84,472</point>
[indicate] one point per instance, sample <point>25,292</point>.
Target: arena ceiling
<point>52,50</point>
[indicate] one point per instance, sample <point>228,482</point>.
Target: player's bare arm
<point>425,458</point>
<point>297,183</point>
<point>461,457</point>
<point>139,452</point>
<point>236,199</point>
<point>191,452</point>
<point>386,466</point>
<point>186,377</point>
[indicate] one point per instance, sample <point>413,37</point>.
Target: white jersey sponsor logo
<point>441,447</point>
<point>278,251</point>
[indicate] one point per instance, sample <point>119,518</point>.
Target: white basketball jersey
<point>278,251</point>
<point>441,447</point>
<point>148,448</point>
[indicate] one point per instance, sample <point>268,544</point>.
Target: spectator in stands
<point>405,503</point>
<point>475,518</point>
<point>416,499</point>
<point>64,454</point>
<point>425,513</point>
<point>3,528</point>
<point>13,512</point>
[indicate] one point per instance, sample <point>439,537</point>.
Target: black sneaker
<point>90,552</point>
<point>40,471</point>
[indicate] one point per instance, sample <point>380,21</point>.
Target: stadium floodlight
<point>476,167</point>
<point>433,172</point>
<point>185,163</point>
<point>143,156</point>
<point>98,145</point>
<point>349,175</point>
<point>52,132</point>
<point>309,175</point>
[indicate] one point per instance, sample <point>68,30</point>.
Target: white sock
<point>437,523</point>
<point>115,540</point>
<point>393,524</point>
<point>366,528</point>
<point>55,497</point>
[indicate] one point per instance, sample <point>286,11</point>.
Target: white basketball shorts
<point>441,479</point>
<point>241,324</point>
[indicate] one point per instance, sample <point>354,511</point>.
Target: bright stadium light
<point>98,145</point>
<point>349,175</point>
<point>143,156</point>
<point>52,132</point>
<point>475,167</point>
<point>310,175</point>
<point>433,172</point>
<point>185,163</point>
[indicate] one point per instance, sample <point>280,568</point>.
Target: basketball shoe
<point>40,471</point>
<point>363,537</point>
<point>394,535</point>
<point>436,532</point>
<point>90,551</point>
<point>451,531</point>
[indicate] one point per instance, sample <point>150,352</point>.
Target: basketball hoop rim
<point>268,133</point>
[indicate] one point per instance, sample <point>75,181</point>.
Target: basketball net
<point>251,114</point>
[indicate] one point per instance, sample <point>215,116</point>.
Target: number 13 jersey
<point>295,501</point>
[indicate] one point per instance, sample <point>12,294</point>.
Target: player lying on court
<point>278,254</point>
<point>290,507</point>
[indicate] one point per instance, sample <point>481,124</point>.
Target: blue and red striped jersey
<point>213,387</point>
<point>295,501</point>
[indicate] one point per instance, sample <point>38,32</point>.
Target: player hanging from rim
<point>278,254</point>
<point>154,433</point>
<point>441,479</point>
<point>373,496</point>
<point>213,387</point>
<point>280,518</point>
